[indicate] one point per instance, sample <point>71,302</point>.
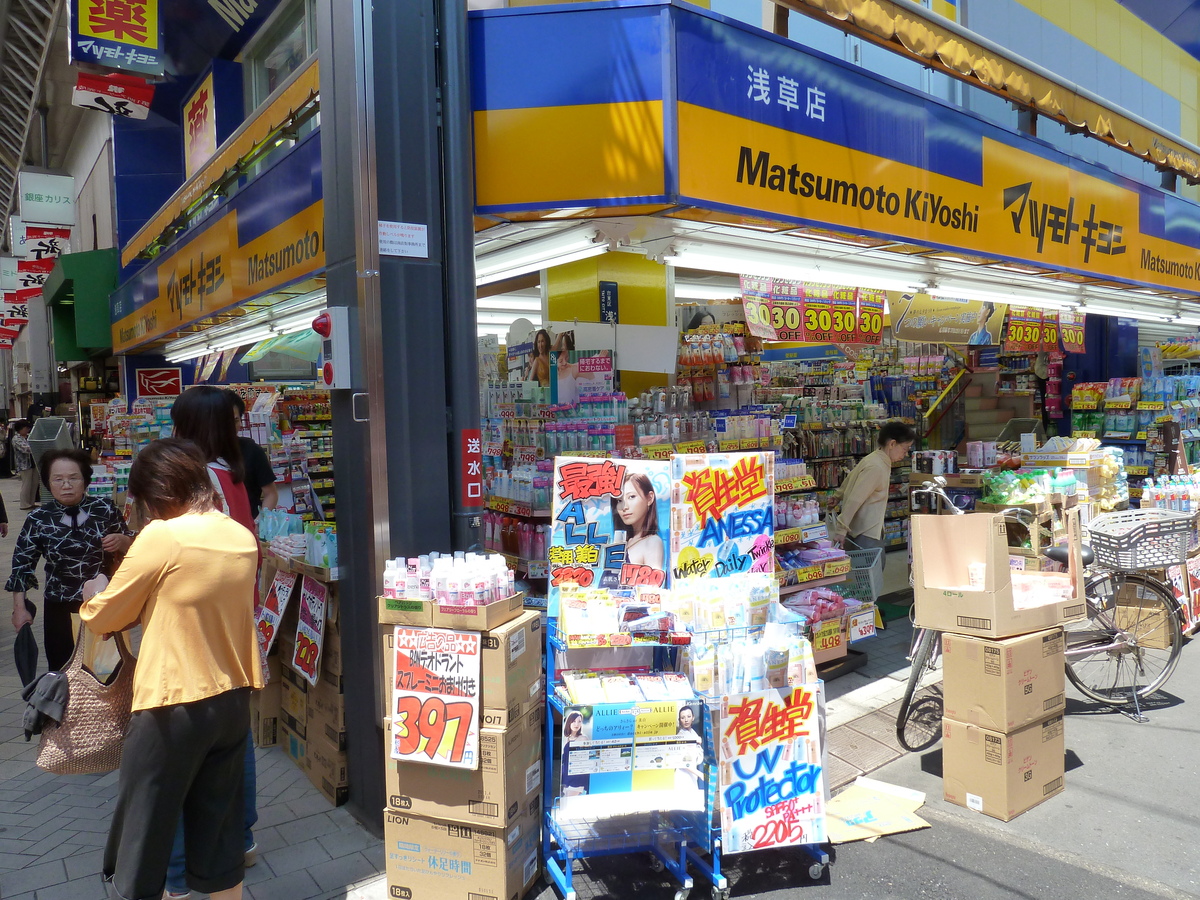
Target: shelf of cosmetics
<point>1127,408</point>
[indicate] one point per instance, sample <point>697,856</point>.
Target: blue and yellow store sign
<point>667,109</point>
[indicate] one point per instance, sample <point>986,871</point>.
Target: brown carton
<point>1006,684</point>
<point>1002,775</point>
<point>432,859</point>
<point>326,712</point>
<point>265,706</point>
<point>506,784</point>
<point>294,709</point>
<point>326,768</point>
<point>294,746</point>
<point>963,582</point>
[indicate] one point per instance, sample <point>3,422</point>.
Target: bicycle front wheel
<point>1129,644</point>
<point>919,719</point>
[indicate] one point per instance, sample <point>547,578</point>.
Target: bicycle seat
<point>1060,554</point>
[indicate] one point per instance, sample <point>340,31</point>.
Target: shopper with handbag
<point>189,579</point>
<point>24,465</point>
<point>78,535</point>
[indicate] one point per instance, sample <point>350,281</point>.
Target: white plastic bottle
<point>390,573</point>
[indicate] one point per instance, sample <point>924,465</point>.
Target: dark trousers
<point>59,633</point>
<point>178,760</point>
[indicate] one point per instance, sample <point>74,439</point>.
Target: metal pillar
<point>395,147</point>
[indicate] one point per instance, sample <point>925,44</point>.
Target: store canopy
<point>935,42</point>
<point>664,129</point>
<point>76,291</point>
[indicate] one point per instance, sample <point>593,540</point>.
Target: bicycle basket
<point>865,581</point>
<point>1142,538</point>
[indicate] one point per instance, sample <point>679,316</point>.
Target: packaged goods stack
<point>465,694</point>
<point>1003,663</point>
<point>303,707</point>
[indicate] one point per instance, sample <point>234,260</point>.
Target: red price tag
<point>307,652</point>
<point>870,316</point>
<point>845,315</point>
<point>432,727</point>
<point>818,312</point>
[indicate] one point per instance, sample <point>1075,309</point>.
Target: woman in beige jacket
<point>864,493</point>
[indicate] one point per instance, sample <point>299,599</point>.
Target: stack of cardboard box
<point>312,717</point>
<point>1003,666</point>
<point>454,833</point>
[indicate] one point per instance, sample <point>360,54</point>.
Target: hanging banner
<point>274,605</point>
<point>770,776</point>
<point>619,758</point>
<point>310,629</point>
<point>115,94</point>
<point>1024,334</point>
<point>435,697</point>
<point>757,303</point>
<point>8,276</point>
<point>946,320</point>
<point>33,272</point>
<point>200,127</point>
<point>1071,330</point>
<point>44,241</point>
<point>610,530</point>
<point>118,34</point>
<point>870,315</point>
<point>1050,331</point>
<point>722,521</point>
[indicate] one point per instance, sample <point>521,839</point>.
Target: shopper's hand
<point>116,542</point>
<point>21,616</point>
<point>95,586</point>
<point>837,541</point>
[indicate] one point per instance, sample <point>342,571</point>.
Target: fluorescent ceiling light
<point>285,317</point>
<point>692,291</point>
<point>1186,320</point>
<point>1125,312</point>
<point>969,293</point>
<point>534,255</point>
<point>737,261</point>
<point>507,301</point>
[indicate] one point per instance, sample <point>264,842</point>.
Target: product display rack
<point>673,839</point>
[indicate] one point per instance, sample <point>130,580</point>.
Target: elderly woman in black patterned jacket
<point>80,537</point>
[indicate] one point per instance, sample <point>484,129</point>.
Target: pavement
<point>1125,827</point>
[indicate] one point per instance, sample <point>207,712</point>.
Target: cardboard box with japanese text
<point>1004,684</point>
<point>964,584</point>
<point>1003,775</point>
<point>432,859</point>
<point>507,783</point>
<point>327,768</point>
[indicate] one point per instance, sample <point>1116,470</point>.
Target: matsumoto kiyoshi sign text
<point>714,117</point>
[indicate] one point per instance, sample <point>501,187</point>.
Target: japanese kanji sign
<point>45,198</point>
<point>1024,333</point>
<point>1071,330</point>
<point>771,779</point>
<point>8,274</point>
<point>199,127</point>
<point>435,697</point>
<point>781,310</point>
<point>310,629</point>
<point>472,463</point>
<point>118,34</point>
<point>723,521</point>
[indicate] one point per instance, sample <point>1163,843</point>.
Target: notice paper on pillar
<point>620,758</point>
<point>722,514</point>
<point>609,533</point>
<point>310,629</point>
<point>272,608</point>
<point>771,781</point>
<point>435,697</point>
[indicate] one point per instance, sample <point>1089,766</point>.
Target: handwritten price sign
<point>267,616</point>
<point>435,697</point>
<point>310,630</point>
<point>770,776</point>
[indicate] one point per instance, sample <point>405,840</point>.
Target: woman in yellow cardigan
<point>189,580</point>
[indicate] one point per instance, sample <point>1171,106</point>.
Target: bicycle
<point>1127,645</point>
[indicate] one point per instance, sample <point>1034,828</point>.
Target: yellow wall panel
<point>572,291</point>
<point>642,288</point>
<point>633,383</point>
<point>1083,21</point>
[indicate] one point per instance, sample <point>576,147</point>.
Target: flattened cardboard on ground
<point>1003,684</point>
<point>869,809</point>
<point>1003,775</point>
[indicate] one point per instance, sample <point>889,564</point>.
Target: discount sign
<point>310,630</point>
<point>435,697</point>
<point>1070,328</point>
<point>771,780</point>
<point>1024,333</point>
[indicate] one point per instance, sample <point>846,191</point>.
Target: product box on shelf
<point>964,583</point>
<point>1006,684</point>
<point>428,613</point>
<point>506,785</point>
<point>1003,775</point>
<point>432,859</point>
<point>331,653</point>
<point>510,668</point>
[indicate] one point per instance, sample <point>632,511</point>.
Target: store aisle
<point>52,828</point>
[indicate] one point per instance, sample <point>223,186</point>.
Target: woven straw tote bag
<point>90,737</point>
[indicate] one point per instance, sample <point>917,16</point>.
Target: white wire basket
<point>865,581</point>
<point>1142,538</point>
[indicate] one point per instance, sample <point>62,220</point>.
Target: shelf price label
<point>862,625</point>
<point>1121,404</point>
<point>728,446</point>
<point>435,697</point>
<point>690,447</point>
<point>786,536</point>
<point>659,451</point>
<point>1084,404</point>
<point>827,635</point>
<point>837,566</point>
<point>1151,405</point>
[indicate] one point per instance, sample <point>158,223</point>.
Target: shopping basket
<point>865,581</point>
<point>1142,538</point>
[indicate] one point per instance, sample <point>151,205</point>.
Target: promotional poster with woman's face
<point>611,524</point>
